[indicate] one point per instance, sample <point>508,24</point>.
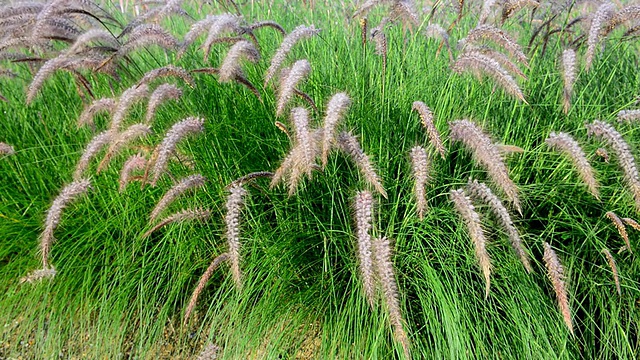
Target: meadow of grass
<point>118,294</point>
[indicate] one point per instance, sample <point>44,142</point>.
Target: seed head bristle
<point>336,109</point>
<point>487,154</point>
<point>467,212</point>
<point>39,275</point>
<point>564,143</point>
<point>165,71</point>
<point>145,35</point>
<point>479,63</point>
<point>223,24</point>
<point>179,217</point>
<point>386,276</point>
<point>349,145</point>
<point>299,33</point>
<point>420,164</point>
<point>189,183</point>
<point>87,115</point>
<point>161,94</point>
<point>126,100</point>
<point>601,16</point>
<point>6,149</point>
<point>120,140</point>
<point>622,150</point>
<point>622,230</point>
<point>555,271</point>
<point>426,115</point>
<point>68,194</point>
<point>629,115</point>
<point>95,145</point>
<point>297,73</point>
<point>501,38</point>
<point>135,162</point>
<point>482,192</point>
<point>202,283</point>
<point>234,206</point>
<point>614,269</point>
<point>230,68</point>
<point>363,210</point>
<point>178,131</point>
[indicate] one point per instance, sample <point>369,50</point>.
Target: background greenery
<point>117,295</point>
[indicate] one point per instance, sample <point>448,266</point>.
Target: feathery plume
<point>54,214</point>
<point>209,352</point>
<point>267,23</point>
<point>486,11</point>
<point>467,212</point>
<point>478,63</point>
<point>568,76</point>
<point>202,283</point>
<point>135,162</point>
<point>505,149</point>
<point>613,138</point>
<point>198,28</point>
<point>299,71</point>
<point>126,100</point>
<point>363,210</point>
<point>165,71</point>
<point>301,32</point>
<point>349,145</point>
<point>481,191</point>
<point>420,164</point>
<point>364,9</point>
<point>148,34</point>
<point>47,69</point>
<point>499,57</point>
<point>166,148</point>
<point>179,217</point>
<point>564,143</point>
<point>39,275</point>
<point>622,230</point>
<point>626,14</point>
<point>555,272</point>
<point>230,68</point>
<point>96,144</point>
<point>634,224</point>
<point>386,276</point>
<point>301,158</point>
<point>6,149</point>
<point>511,7</point>
<point>614,269</point>
<point>162,93</point>
<point>305,139</point>
<point>628,115</point>
<point>405,11</point>
<point>186,184</point>
<point>487,154</point>
<point>234,205</point>
<point>336,109</point>
<point>92,35</point>
<point>120,140</point>
<point>438,32</point>
<point>380,39</point>
<point>427,122</point>
<point>87,115</point>
<point>224,23</point>
<point>601,16</point>
<point>500,37</point>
